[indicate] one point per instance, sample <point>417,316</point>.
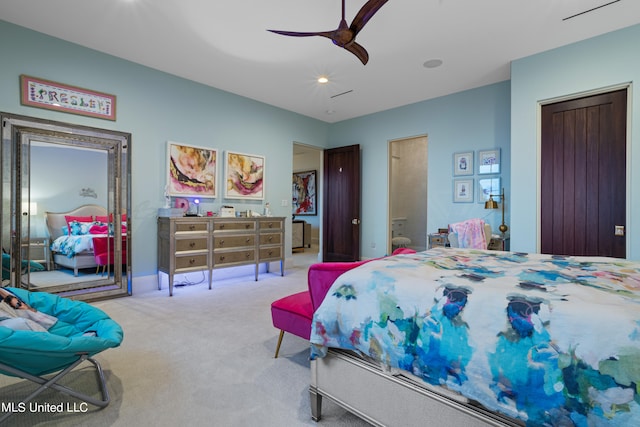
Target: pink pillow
<point>99,229</point>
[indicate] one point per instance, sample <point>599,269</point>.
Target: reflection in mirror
<point>62,234</point>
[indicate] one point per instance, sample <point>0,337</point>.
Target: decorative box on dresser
<point>188,244</point>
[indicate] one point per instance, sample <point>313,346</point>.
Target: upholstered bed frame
<point>56,220</point>
<point>391,398</point>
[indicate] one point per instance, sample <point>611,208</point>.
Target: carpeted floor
<point>200,358</point>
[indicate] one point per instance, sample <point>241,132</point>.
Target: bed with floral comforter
<point>549,340</point>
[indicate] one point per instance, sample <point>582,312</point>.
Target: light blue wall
<point>472,120</point>
<point>155,107</point>
<point>601,62</point>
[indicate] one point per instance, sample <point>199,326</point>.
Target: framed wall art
<point>489,161</point>
<point>487,187</point>
<point>463,163</point>
<point>304,193</point>
<point>69,99</point>
<point>244,176</point>
<point>463,190</point>
<point>191,170</point>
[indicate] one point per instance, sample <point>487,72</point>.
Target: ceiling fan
<point>345,35</point>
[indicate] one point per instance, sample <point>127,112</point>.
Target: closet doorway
<point>408,193</point>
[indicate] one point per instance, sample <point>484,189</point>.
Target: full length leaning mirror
<point>66,206</point>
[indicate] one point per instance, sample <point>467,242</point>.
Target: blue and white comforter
<point>551,340</point>
<point>72,245</point>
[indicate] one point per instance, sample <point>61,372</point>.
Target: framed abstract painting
<point>191,170</point>
<point>304,193</point>
<point>244,176</point>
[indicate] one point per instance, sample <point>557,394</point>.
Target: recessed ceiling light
<point>329,112</point>
<point>323,79</point>
<point>433,63</point>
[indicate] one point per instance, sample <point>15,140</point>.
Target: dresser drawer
<point>233,225</point>
<point>186,262</point>
<point>192,244</point>
<point>192,227</point>
<point>271,238</point>
<point>270,253</point>
<point>270,224</point>
<point>233,241</point>
<point>232,257</point>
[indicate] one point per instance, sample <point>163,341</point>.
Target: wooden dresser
<point>188,244</point>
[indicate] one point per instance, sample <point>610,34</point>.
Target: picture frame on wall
<point>489,161</point>
<point>191,170</point>
<point>487,187</point>
<point>463,163</point>
<point>463,190</point>
<point>244,176</point>
<point>41,93</point>
<point>304,193</point>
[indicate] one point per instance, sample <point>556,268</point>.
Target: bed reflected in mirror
<point>71,196</point>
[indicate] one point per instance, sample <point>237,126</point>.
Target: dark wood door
<point>583,176</point>
<point>341,204</point>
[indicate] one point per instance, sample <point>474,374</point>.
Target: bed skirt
<point>391,398</point>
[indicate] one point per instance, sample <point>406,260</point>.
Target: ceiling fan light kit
<point>345,35</point>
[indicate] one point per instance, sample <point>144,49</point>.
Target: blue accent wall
<point>600,63</point>
<point>156,107</point>
<point>472,120</point>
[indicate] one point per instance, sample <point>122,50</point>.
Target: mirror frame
<point>18,131</point>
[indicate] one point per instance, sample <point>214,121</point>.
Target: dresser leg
<point>159,284</point>
<point>170,285</point>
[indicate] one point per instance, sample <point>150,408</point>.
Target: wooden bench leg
<point>279,342</point>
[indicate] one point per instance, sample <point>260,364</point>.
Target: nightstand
<point>38,251</point>
<point>499,243</point>
<point>438,240</point>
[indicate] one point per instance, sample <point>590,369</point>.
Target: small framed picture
<point>487,187</point>
<point>489,161</point>
<point>463,163</point>
<point>463,190</point>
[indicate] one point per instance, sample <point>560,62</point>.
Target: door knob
<point>619,230</point>
<point>355,221</point>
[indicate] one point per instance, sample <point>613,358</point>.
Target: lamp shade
<point>491,204</point>
<point>29,208</point>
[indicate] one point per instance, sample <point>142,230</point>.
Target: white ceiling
<point>226,45</point>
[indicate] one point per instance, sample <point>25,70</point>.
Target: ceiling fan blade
<point>358,51</point>
<point>327,34</point>
<point>366,12</point>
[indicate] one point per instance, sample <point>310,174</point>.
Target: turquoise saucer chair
<point>81,332</point>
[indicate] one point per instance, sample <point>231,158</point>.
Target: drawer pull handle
<point>192,261</point>
<point>270,238</point>
<point>247,225</point>
<point>221,226</point>
<point>192,244</point>
<point>222,242</point>
<point>248,240</point>
<point>221,257</point>
<point>270,225</point>
<point>192,227</point>
<point>248,255</point>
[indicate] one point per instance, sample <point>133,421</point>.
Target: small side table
<point>38,251</point>
<point>499,243</point>
<point>438,240</point>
